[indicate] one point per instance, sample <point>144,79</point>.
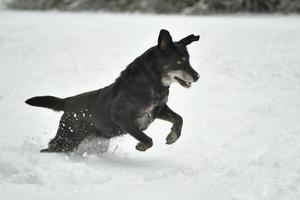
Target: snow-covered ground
<point>241,134</point>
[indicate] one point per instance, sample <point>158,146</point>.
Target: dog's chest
<point>146,114</point>
<point>143,120</point>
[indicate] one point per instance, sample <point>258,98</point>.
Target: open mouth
<point>183,83</point>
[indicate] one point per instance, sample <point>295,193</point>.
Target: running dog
<point>130,104</point>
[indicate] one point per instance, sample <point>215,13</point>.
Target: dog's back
<point>129,105</point>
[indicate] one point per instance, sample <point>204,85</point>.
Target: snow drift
<point>241,132</point>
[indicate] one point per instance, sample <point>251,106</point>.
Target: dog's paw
<point>142,146</point>
<point>172,137</point>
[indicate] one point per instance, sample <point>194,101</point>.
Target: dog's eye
<point>183,58</point>
<point>179,62</point>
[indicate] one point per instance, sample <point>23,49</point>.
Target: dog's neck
<point>142,75</point>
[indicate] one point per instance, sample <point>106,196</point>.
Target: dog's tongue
<point>183,83</point>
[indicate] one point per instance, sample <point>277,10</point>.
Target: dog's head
<point>174,60</point>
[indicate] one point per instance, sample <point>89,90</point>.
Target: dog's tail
<point>51,102</point>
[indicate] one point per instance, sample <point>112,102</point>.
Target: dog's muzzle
<point>186,79</point>
<point>186,84</point>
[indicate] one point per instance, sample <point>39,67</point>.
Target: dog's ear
<point>164,39</point>
<point>189,39</point>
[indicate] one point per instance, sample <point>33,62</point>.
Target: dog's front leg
<point>167,114</point>
<point>126,122</point>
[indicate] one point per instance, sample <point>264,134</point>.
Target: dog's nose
<point>196,77</point>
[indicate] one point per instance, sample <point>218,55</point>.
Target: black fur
<point>129,105</point>
<point>51,102</point>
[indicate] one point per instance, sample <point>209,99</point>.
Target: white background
<point>241,133</point>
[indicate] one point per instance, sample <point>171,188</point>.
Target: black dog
<point>129,105</point>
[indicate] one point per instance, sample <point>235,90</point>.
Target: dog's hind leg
<point>69,135</point>
<point>64,141</point>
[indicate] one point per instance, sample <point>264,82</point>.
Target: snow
<point>241,133</point>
